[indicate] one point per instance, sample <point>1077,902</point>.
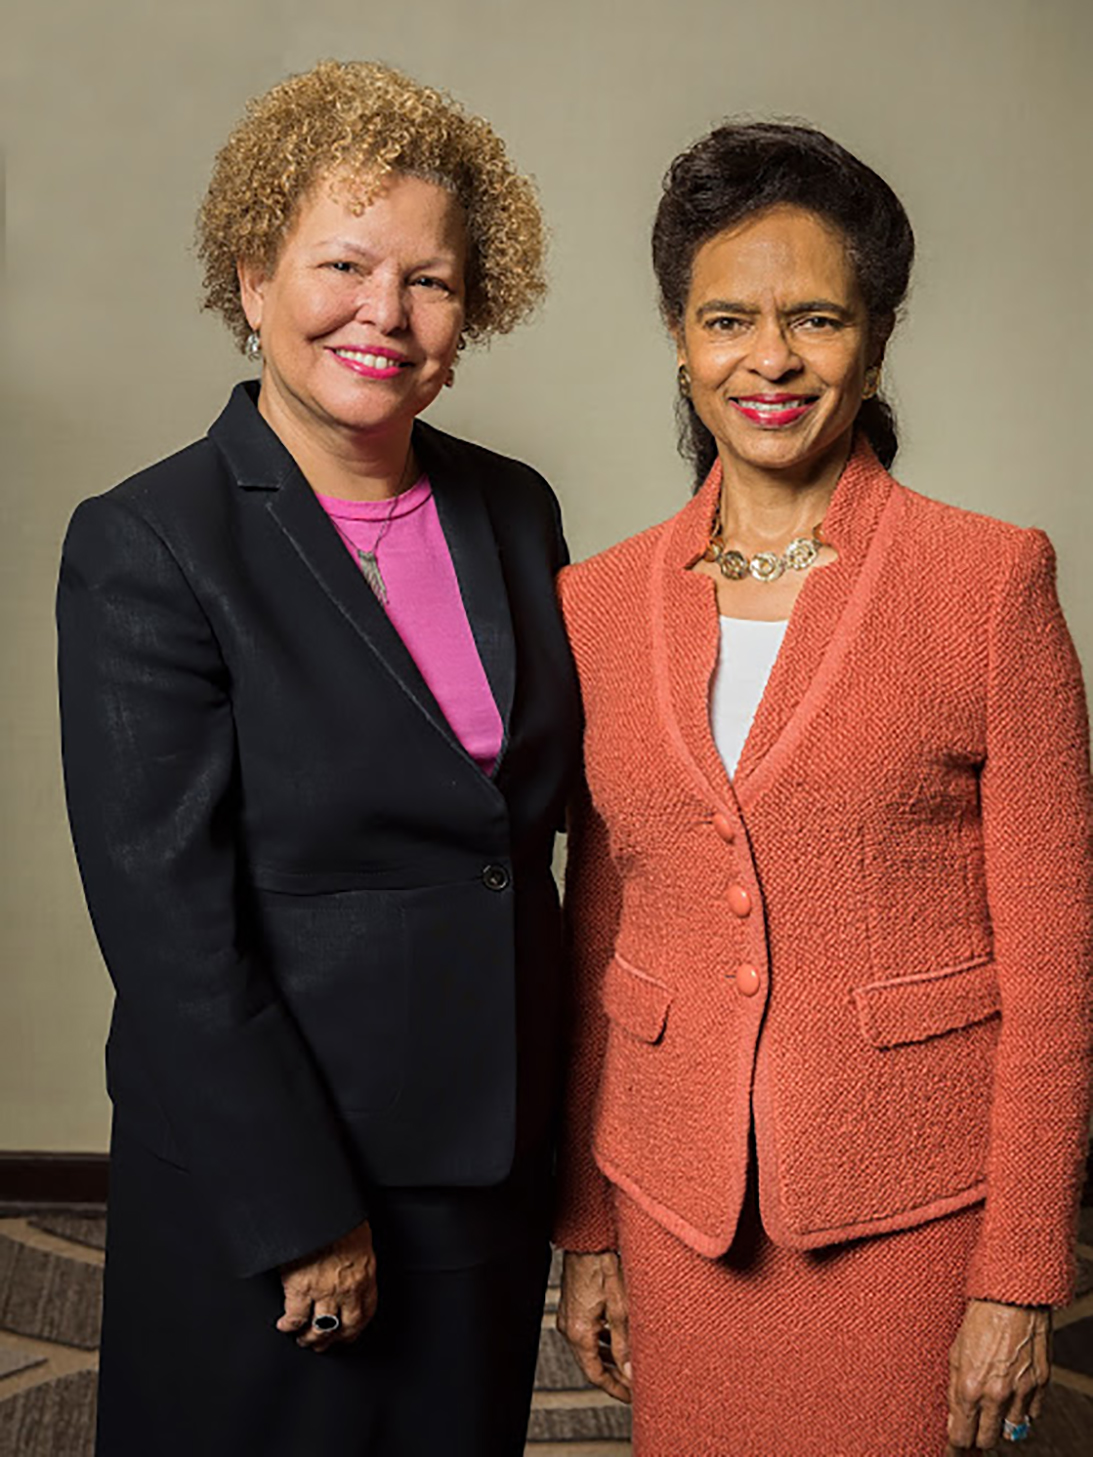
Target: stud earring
<point>683,379</point>
<point>450,380</point>
<point>872,382</point>
<point>253,347</point>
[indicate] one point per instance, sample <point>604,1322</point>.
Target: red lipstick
<point>773,412</point>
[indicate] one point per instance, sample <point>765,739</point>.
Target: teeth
<point>372,361</point>
<point>765,407</point>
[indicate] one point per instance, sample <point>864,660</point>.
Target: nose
<point>772,353</point>
<point>381,302</point>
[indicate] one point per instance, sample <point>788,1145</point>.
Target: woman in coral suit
<point>829,890</point>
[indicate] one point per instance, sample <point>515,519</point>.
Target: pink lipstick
<point>371,363</point>
<point>773,412</point>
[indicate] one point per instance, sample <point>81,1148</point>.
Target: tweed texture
<point>771,1352</point>
<point>911,821</point>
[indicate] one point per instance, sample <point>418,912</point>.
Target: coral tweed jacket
<point>873,946</point>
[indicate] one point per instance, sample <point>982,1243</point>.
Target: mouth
<point>371,363</point>
<point>773,412</point>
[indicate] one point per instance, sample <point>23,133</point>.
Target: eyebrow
<point>808,306</point>
<point>347,245</point>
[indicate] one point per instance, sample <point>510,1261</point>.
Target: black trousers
<point>192,1366</point>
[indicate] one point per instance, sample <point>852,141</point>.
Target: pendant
<point>766,566</point>
<point>370,570</point>
<point>800,554</point>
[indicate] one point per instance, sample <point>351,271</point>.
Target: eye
<point>340,265</point>
<point>819,323</point>
<point>431,283</point>
<point>725,324</point>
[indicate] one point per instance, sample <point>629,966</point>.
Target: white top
<point>748,651</point>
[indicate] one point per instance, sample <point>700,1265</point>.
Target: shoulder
<point>174,486</point>
<point>929,516</point>
<point>491,469</point>
<point>970,544</point>
<point>594,583</point>
<point>516,495</point>
<point>150,514</point>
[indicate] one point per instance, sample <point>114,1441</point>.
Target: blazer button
<point>747,980</point>
<point>496,877</point>
<point>723,825</point>
<point>739,900</point>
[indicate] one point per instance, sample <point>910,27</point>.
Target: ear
<point>676,332</point>
<point>252,289</point>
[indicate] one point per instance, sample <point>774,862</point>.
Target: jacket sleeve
<point>1037,819</point>
<point>585,1215</point>
<point>153,797</point>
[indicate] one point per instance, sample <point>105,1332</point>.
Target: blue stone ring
<point>1015,1431</point>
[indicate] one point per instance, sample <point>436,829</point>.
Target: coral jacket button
<point>739,900</point>
<point>723,825</point>
<point>747,980</point>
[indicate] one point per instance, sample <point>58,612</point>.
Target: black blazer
<point>334,939</point>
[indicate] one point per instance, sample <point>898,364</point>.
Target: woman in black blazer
<point>314,815</point>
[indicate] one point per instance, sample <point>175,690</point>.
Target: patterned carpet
<point>50,1289</point>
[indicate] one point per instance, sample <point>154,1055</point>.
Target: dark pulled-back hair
<point>743,168</point>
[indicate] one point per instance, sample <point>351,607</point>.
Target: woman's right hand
<point>338,1280</point>
<point>593,1314</point>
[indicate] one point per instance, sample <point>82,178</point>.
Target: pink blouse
<point>425,607</point>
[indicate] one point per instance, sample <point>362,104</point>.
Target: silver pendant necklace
<point>369,561</point>
<point>370,567</point>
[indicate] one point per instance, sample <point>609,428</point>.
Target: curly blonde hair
<point>360,121</point>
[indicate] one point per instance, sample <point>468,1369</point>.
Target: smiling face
<point>776,341</point>
<point>361,317</point>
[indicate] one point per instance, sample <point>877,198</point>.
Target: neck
<point>351,465</point>
<point>767,508</point>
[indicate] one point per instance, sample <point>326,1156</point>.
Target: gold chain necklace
<point>764,566</point>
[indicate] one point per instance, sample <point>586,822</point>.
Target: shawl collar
<point>686,633</point>
<point>260,462</point>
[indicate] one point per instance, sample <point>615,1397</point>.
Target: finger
<point>318,1339</point>
<point>609,1380</point>
<point>963,1416</point>
<point>353,1319</point>
<point>1018,1417</point>
<point>618,1319</point>
<point>989,1431</point>
<point>585,1346</point>
<point>615,1354</point>
<point>1016,1426</point>
<point>358,1307</point>
<point>1041,1367</point>
<point>297,1312</point>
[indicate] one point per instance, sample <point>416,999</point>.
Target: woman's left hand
<point>338,1281</point>
<point>998,1369</point>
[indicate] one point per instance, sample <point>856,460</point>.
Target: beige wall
<point>976,110</point>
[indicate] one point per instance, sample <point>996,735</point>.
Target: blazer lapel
<point>477,560</point>
<point>261,463</point>
<point>686,640</point>
<point>860,521</point>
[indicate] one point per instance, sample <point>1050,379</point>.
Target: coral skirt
<point>770,1352</point>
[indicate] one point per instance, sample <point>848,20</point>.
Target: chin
<point>786,449</point>
<point>363,414</point>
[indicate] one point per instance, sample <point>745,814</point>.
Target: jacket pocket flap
<point>913,1008</point>
<point>635,1001</point>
